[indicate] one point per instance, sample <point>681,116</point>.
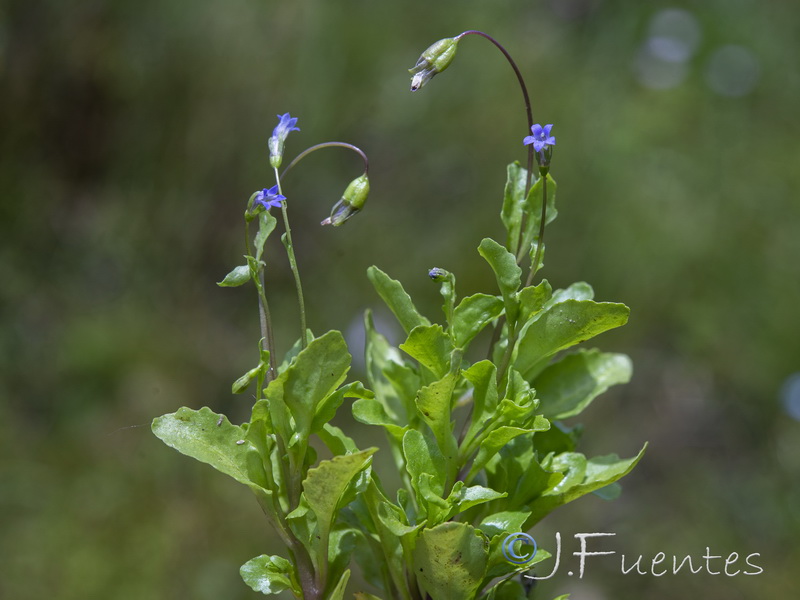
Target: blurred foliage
<point>132,134</point>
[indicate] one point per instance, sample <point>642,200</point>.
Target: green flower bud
<point>433,61</point>
<point>352,201</point>
<point>438,274</point>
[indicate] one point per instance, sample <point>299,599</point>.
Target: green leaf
<point>562,326</point>
<point>433,403</point>
<point>534,209</point>
<point>510,521</point>
<point>336,440</point>
<point>266,224</point>
<point>239,276</point>
<point>212,439</point>
<point>430,347</point>
<point>472,314</point>
<point>306,383</point>
<point>294,351</point>
<point>423,456</point>
<point>513,204</point>
<point>568,386</point>
<point>449,561</point>
<point>325,486</point>
<point>372,412</point>
<point>483,377</point>
<point>465,497</point>
<point>270,575</point>
<point>491,445</point>
<point>599,472</point>
<point>338,591</point>
<point>394,382</point>
<point>241,384</point>
<point>533,299</point>
<point>506,271</point>
<point>327,407</point>
<point>396,298</point>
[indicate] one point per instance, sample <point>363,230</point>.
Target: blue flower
<point>269,198</point>
<point>284,127</point>
<point>541,137</point>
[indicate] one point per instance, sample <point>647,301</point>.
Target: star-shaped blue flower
<point>269,198</point>
<point>285,126</point>
<point>541,137</point>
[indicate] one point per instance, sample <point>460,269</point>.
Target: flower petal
<point>536,130</point>
<point>547,129</point>
<point>528,140</point>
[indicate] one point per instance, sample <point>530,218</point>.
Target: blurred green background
<point>132,134</point>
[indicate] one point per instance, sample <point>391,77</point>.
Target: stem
<point>528,111</point>
<point>264,316</point>
<point>266,328</point>
<point>540,240</point>
<point>308,151</point>
<point>293,263</point>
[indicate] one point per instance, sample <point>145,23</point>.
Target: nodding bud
<point>438,274</point>
<point>433,61</point>
<point>352,201</point>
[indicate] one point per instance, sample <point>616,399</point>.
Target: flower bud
<point>438,274</point>
<point>352,201</point>
<point>433,61</point>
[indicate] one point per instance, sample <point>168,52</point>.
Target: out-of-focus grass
<point>131,135</point>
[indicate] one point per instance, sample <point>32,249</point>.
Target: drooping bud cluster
<point>352,201</point>
<point>432,62</point>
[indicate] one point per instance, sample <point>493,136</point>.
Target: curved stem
<point>293,263</point>
<point>525,96</point>
<point>308,151</point>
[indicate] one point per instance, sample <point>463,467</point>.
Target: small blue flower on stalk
<point>284,127</point>
<point>269,198</point>
<point>541,137</point>
<point>543,144</point>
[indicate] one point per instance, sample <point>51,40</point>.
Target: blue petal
<point>529,140</point>
<point>547,129</point>
<point>536,130</point>
<point>538,145</point>
<point>551,141</point>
